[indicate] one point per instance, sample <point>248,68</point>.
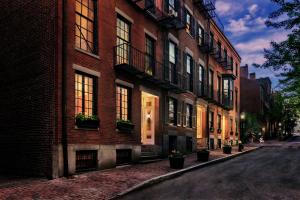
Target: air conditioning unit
<point>173,13</point>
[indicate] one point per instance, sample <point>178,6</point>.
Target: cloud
<point>252,9</point>
<point>223,7</point>
<point>257,45</point>
<point>238,26</point>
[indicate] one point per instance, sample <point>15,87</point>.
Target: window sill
<point>86,129</point>
<point>88,53</point>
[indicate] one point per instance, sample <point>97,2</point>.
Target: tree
<point>250,126</point>
<point>285,56</point>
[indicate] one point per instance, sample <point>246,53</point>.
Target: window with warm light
<point>123,40</point>
<point>123,102</point>
<point>85,94</point>
<point>189,22</point>
<point>219,121</point>
<point>200,35</point>
<point>85,25</point>
<point>211,119</point>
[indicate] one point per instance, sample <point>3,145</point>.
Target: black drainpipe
<point>64,89</point>
<point>207,75</point>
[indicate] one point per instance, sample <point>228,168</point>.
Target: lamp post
<point>242,117</point>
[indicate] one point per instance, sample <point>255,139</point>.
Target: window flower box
<point>219,130</point>
<point>212,129</point>
<point>88,122</point>
<point>125,126</point>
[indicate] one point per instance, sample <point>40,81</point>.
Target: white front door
<point>148,119</point>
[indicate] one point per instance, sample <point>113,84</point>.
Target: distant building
<point>256,98</point>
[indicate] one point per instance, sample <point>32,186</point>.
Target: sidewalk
<point>99,184</point>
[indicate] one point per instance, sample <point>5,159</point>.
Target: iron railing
<point>134,61</point>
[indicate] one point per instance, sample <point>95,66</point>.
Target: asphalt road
<point>269,173</point>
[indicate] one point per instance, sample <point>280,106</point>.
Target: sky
<point>244,22</point>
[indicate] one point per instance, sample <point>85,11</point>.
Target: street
<point>269,173</point>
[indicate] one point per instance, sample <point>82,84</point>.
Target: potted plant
<point>212,129</point>
<point>90,122</point>
<point>219,130</point>
<point>241,146</point>
<point>176,160</point>
<point>203,155</point>
<point>227,147</point>
<point>125,126</point>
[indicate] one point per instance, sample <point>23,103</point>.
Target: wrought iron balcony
<point>166,14</point>
<point>137,63</point>
<point>204,43</point>
<point>207,7</point>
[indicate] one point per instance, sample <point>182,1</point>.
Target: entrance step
<point>149,157</point>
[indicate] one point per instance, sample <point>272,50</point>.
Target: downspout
<point>64,90</point>
<point>207,75</point>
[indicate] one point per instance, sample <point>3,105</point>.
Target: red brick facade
<point>49,118</point>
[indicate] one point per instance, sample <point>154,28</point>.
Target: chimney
<point>244,71</point>
<point>252,76</point>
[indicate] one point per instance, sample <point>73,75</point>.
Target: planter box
<point>125,127</point>
<point>212,130</point>
<point>89,124</point>
<point>203,155</point>
<point>227,149</point>
<point>241,147</point>
<point>176,162</point>
<point>219,130</point>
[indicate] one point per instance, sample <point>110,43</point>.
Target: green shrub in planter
<point>90,122</point>
<point>227,149</point>
<point>212,129</point>
<point>176,160</point>
<point>203,155</point>
<point>125,126</point>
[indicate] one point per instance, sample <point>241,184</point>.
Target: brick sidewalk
<point>98,184</point>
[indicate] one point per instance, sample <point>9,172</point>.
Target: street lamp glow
<point>243,116</point>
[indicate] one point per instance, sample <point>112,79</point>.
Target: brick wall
<point>27,87</point>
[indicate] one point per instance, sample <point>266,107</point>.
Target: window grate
<point>86,160</point>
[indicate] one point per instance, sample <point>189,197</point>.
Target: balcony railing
<point>131,60</point>
<point>202,90</point>
<point>166,14</point>
<point>207,7</point>
<point>204,43</point>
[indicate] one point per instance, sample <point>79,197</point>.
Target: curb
<point>171,175</point>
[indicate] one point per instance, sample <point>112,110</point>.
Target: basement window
<point>86,160</point>
<point>124,156</point>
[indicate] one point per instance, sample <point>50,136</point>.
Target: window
<point>201,80</point>
<point>123,103</point>
<point>236,70</point>
<point>172,62</point>
<point>189,115</point>
<point>225,56</point>
<point>219,49</point>
<point>211,83</point>
<point>172,6</point>
<point>150,56</point>
<point>123,40</point>
<point>85,94</point>
<point>236,127</point>
<point>231,126</point>
<point>236,100</point>
<point>189,70</point>
<point>189,23</point>
<point>219,88</point>
<point>227,92</point>
<point>200,35</point>
<point>231,63</point>
<point>172,111</point>
<point>86,160</point>
<point>211,41</point>
<point>219,121</point>
<point>211,119</point>
<point>85,26</point>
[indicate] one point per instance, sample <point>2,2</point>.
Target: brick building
<point>256,98</point>
<point>91,84</point>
